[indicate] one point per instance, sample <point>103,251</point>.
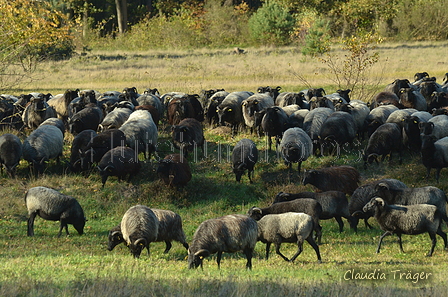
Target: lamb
<point>174,171</point>
<point>334,204</point>
<point>43,144</point>
<point>230,234</point>
<point>434,154</point>
<point>287,227</point>
<point>411,219</point>
<point>437,126</point>
<point>295,147</point>
<point>140,227</point>
<point>337,178</point>
<point>170,228</point>
<point>188,135</point>
<point>141,132</point>
<point>230,110</point>
<point>79,144</point>
<point>52,205</point>
<point>244,156</point>
<point>384,141</point>
<point>252,104</point>
<point>10,153</point>
<point>119,161</point>
<point>362,195</point>
<point>308,206</point>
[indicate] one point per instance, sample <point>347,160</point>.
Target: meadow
<point>45,265</point>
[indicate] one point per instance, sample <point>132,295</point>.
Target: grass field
<point>74,265</point>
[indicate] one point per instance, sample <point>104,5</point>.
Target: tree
<point>122,15</point>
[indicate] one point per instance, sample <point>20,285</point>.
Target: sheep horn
<point>140,241</point>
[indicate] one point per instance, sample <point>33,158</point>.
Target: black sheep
<point>119,161</point>
<point>244,157</point>
<point>79,145</point>
<point>274,122</point>
<point>10,153</point>
<point>338,129</point>
<point>188,135</point>
<point>85,119</point>
<point>337,178</point>
<point>385,140</point>
<point>174,171</point>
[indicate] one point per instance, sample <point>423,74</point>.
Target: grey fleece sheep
<point>314,120</point>
<point>308,206</point>
<point>36,112</point>
<point>362,195</point>
<point>141,132</point>
<point>229,234</point>
<point>43,144</point>
<point>287,227</point>
<point>230,110</point>
<point>140,227</point>
<point>434,154</point>
<point>338,129</point>
<point>116,118</point>
<point>295,147</point>
<point>384,141</point>
<point>119,161</point>
<point>336,178</point>
<point>52,205</point>
<point>334,204</point>
<point>378,116</point>
<point>10,153</point>
<point>55,122</point>
<point>170,228</point>
<point>254,103</point>
<point>437,126</point>
<point>244,157</point>
<point>411,219</point>
<point>398,116</point>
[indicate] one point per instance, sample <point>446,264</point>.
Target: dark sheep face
<point>195,259</point>
<point>310,177</point>
<point>115,238</point>
<point>239,169</point>
<point>80,226</point>
<point>372,204</point>
<point>136,249</point>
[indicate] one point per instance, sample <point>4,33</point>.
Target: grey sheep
<point>148,98</point>
<point>230,110</point>
<point>170,228</point>
<point>297,118</point>
<point>115,118</point>
<point>10,153</point>
<point>141,132</point>
<point>434,154</point>
<point>411,219</point>
<point>52,205</point>
<point>411,196</point>
<point>411,98</point>
<point>362,195</point>
<point>61,102</point>
<point>287,227</point>
<point>43,144</point>
<point>336,178</point>
<point>437,126</point>
<point>188,135</point>
<point>79,144</point>
<point>423,116</point>
<point>307,205</point>
<point>55,122</point>
<point>387,139</point>
<point>290,98</point>
<point>252,104</point>
<point>313,121</point>
<point>359,110</point>
<point>295,147</point>
<point>398,116</point>
<point>139,227</point>
<point>210,112</point>
<point>227,234</point>
<point>244,157</point>
<point>119,161</point>
<point>36,112</point>
<point>378,116</point>
<point>334,204</point>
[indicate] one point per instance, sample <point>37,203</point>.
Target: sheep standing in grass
<point>120,161</point>
<point>244,157</point>
<point>230,234</point>
<point>140,227</point>
<point>10,153</point>
<point>295,147</point>
<point>411,219</point>
<point>52,205</point>
<point>79,145</point>
<point>336,178</point>
<point>188,135</point>
<point>387,139</point>
<point>434,154</point>
<point>287,227</point>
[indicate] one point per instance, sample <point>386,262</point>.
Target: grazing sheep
<point>229,234</point>
<point>52,205</point>
<point>230,110</point>
<point>170,228</point>
<point>337,178</point>
<point>188,135</point>
<point>55,122</point>
<point>385,98</point>
<point>434,154</point>
<point>10,153</point>
<point>252,104</point>
<point>359,110</point>
<point>308,206</point>
<point>290,98</point>
<point>116,118</point>
<point>141,132</point>
<point>119,161</point>
<point>274,123</point>
<point>334,204</point>
<point>244,156</point>
<point>43,144</point>
<point>437,126</point>
<point>36,112</point>
<point>378,116</point>
<point>287,227</point>
<point>384,141</point>
<point>79,144</point>
<point>411,196</point>
<point>86,119</point>
<point>411,219</point>
<point>139,227</point>
<point>338,129</point>
<point>295,147</point>
<point>313,121</point>
<point>362,195</point>
<point>174,170</point>
<point>148,98</point>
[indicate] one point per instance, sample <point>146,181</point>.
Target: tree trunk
<point>122,15</point>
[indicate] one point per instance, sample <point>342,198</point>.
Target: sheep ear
<point>202,253</point>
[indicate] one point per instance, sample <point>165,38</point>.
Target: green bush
<point>272,24</point>
<point>317,40</point>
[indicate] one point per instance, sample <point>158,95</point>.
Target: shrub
<point>317,40</point>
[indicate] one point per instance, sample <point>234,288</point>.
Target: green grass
<point>81,265</point>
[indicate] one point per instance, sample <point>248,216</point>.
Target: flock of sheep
<point>111,129</point>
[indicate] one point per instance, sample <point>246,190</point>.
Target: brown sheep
<point>60,103</point>
<point>184,107</point>
<point>174,171</point>
<point>336,178</point>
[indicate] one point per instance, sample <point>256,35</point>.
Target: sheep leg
<point>31,224</point>
<point>249,253</point>
<point>318,231</point>
<point>278,243</point>
<point>367,224</point>
<point>218,259</point>
<point>432,235</point>
<point>268,246</point>
<point>62,226</point>
<point>381,240</point>
<point>444,237</point>
<point>340,223</point>
<point>248,175</point>
<point>315,247</point>
<point>400,242</point>
<point>299,249</point>
<point>168,246</point>
<point>428,171</point>
<point>438,174</point>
